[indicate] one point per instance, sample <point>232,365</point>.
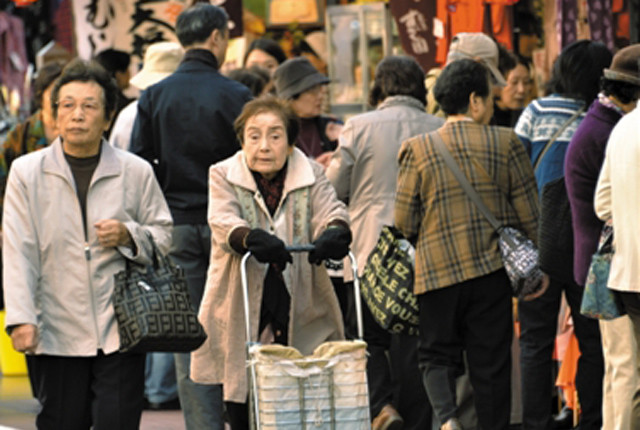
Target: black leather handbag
<point>153,309</point>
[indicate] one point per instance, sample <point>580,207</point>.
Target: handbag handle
<point>464,182</point>
<point>158,259</point>
<point>606,245</point>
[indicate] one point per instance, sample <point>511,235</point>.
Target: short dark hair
<point>456,83</point>
<point>87,71</point>
<point>113,60</point>
<point>507,60</point>
<point>577,70</point>
<point>268,103</point>
<point>253,78</point>
<point>196,23</point>
<point>45,77</point>
<point>269,46</point>
<point>625,92</point>
<point>398,75</point>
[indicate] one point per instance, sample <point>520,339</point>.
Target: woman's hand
<point>25,338</point>
<point>325,158</point>
<point>112,233</point>
<point>267,248</point>
<point>333,243</point>
<point>333,129</point>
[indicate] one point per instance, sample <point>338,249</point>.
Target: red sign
<point>24,3</point>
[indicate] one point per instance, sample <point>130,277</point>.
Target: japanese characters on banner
<point>415,22</point>
<point>131,25</point>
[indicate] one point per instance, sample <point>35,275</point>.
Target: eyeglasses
<point>88,107</point>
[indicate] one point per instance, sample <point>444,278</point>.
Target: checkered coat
<point>454,241</point>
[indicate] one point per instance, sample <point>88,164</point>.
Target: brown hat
<point>625,66</point>
<point>160,60</point>
<point>477,46</point>
<point>296,76</point>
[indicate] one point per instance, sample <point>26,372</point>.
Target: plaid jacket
<point>454,241</point>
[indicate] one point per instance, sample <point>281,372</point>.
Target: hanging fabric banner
<point>132,25</point>
<point>415,22</point>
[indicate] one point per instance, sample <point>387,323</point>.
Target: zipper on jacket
<point>87,251</point>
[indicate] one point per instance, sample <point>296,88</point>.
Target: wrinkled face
<point>309,104</point>
<point>265,145</point>
<point>514,94</point>
<point>81,120</point>
<point>259,58</point>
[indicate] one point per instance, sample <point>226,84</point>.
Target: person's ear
<point>214,38</point>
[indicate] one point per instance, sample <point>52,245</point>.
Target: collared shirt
<point>454,241</point>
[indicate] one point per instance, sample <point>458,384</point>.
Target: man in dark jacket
<point>184,125</point>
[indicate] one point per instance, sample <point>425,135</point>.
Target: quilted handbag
<point>153,309</point>
<point>598,301</point>
<point>520,259</point>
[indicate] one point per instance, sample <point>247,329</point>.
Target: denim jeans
<point>160,378</point>
<point>201,404</point>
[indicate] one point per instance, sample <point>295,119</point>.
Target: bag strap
<point>157,258</point>
<point>464,182</point>
<point>555,136</point>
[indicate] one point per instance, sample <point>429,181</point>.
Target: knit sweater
<point>582,164</point>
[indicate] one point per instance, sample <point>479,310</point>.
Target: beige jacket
<point>308,204</point>
<point>54,277</point>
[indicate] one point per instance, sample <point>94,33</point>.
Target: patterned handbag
<point>153,309</point>
<point>520,259</point>
<point>598,301</point>
<point>519,254</point>
<point>386,284</point>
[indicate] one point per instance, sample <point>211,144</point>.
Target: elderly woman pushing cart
<point>266,195</point>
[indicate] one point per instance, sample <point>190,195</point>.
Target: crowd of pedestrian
<point>210,167</point>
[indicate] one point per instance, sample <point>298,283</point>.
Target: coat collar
<point>55,163</point>
<point>299,172</point>
<point>401,101</point>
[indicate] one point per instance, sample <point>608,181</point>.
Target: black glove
<point>267,248</point>
<point>333,243</point>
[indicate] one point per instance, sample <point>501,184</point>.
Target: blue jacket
<point>184,125</point>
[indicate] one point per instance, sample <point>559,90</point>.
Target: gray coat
<point>364,167</point>
<point>53,277</point>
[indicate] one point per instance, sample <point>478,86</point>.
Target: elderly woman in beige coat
<point>265,196</point>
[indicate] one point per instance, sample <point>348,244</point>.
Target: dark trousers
<point>475,316</point>
<point>631,302</point>
<point>238,414</point>
<point>76,393</point>
<point>538,323</point>
<point>393,374</point>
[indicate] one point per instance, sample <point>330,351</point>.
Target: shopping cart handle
<point>301,248</point>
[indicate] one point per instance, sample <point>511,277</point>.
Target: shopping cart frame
<point>254,413</point>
